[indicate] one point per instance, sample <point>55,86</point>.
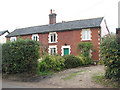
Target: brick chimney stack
<point>52,17</point>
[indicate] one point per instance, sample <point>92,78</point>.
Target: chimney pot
<point>52,17</point>
<point>51,11</point>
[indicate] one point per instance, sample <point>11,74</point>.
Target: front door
<point>66,51</point>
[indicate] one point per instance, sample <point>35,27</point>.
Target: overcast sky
<point>25,13</point>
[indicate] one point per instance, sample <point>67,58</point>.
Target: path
<point>81,77</point>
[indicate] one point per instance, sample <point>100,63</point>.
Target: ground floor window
<point>52,50</point>
<point>13,39</point>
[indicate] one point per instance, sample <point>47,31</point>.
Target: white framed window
<point>13,39</point>
<point>35,37</point>
<point>53,37</point>
<point>52,50</point>
<point>86,34</point>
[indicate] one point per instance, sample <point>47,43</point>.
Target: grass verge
<point>99,78</point>
<point>70,76</point>
<point>46,73</point>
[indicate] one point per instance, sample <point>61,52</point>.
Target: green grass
<point>70,76</point>
<point>46,73</point>
<point>99,78</point>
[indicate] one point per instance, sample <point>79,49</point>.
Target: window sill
<point>52,42</point>
<point>86,39</point>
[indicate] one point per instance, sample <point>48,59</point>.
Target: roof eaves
<point>4,32</point>
<point>70,29</point>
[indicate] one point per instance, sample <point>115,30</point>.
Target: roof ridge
<point>83,19</point>
<point>58,23</point>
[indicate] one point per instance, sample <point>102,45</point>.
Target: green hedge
<point>72,61</point>
<point>86,60</point>
<point>110,54</point>
<point>51,63</point>
<point>20,56</point>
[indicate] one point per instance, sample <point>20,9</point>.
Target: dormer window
<point>53,37</point>
<point>35,37</point>
<point>13,39</point>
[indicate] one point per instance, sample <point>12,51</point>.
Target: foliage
<point>43,50</point>
<point>84,48</point>
<point>70,76</point>
<point>51,63</point>
<point>110,54</point>
<point>84,52</point>
<point>72,61</point>
<point>99,78</point>
<point>85,60</point>
<point>20,56</point>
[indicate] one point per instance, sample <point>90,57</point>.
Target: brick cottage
<point>62,38</point>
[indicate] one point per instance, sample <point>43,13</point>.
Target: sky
<point>26,13</point>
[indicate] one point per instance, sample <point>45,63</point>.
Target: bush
<point>51,63</point>
<point>85,60</point>
<point>84,52</point>
<point>84,48</point>
<point>110,54</point>
<point>20,56</point>
<point>72,61</point>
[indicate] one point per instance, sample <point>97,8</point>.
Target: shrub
<point>72,61</point>
<point>84,48</point>
<point>85,60</point>
<point>84,52</point>
<point>110,54</point>
<point>20,56</point>
<point>51,63</point>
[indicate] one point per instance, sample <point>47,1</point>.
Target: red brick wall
<point>96,43</point>
<point>71,38</point>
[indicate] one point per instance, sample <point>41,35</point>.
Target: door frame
<point>62,51</point>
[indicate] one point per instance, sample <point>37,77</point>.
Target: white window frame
<point>85,34</point>
<point>35,35</point>
<point>62,51</point>
<point>51,47</point>
<point>49,37</point>
<point>13,39</point>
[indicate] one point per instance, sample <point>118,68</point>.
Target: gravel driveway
<point>81,77</point>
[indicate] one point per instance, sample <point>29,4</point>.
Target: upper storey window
<point>53,37</point>
<point>86,34</point>
<point>35,37</point>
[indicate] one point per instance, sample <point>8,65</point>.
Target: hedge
<point>110,54</point>
<point>51,63</point>
<point>20,56</point>
<point>72,61</point>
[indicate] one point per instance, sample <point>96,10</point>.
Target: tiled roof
<point>2,32</point>
<point>70,25</point>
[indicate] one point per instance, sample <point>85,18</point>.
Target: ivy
<point>84,48</point>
